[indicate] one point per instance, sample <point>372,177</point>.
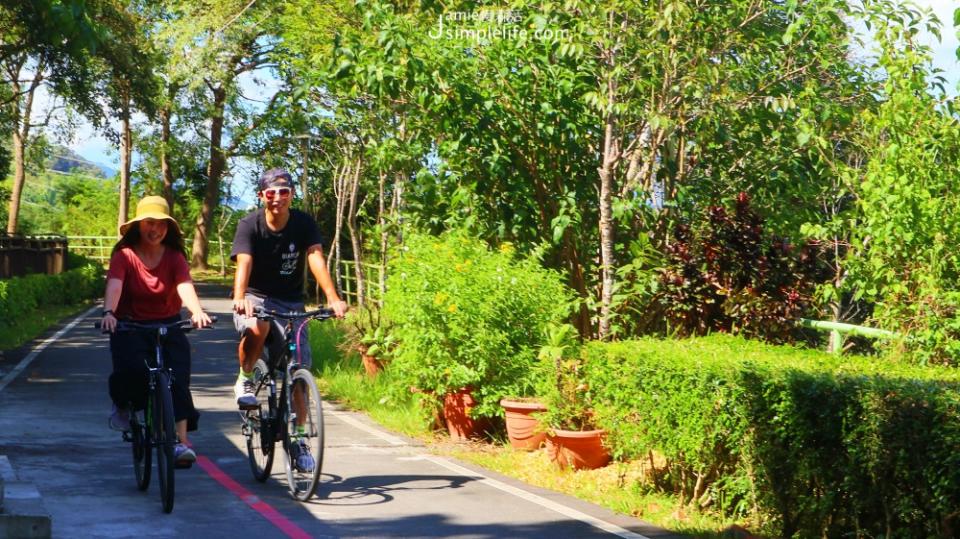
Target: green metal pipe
<point>863,331</point>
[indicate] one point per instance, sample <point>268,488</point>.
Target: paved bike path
<point>375,483</point>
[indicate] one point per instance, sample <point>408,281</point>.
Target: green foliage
<point>368,332</point>
<point>78,41</point>
<point>469,316</point>
<point>561,381</point>
<point>75,261</point>
<point>341,380</point>
<point>822,445</point>
<point>903,255</point>
<point>726,273</point>
<point>24,294</point>
<point>69,204</point>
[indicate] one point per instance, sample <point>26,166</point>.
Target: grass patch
<point>342,378</point>
<point>618,487</point>
<point>32,324</point>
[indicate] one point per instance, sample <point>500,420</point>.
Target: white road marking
<point>346,418</point>
<point>25,362</point>
<point>520,493</point>
<point>539,500</point>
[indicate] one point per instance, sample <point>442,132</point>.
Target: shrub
<point>825,446</point>
<point>75,260</point>
<point>466,316</point>
<point>728,275</point>
<point>24,294</point>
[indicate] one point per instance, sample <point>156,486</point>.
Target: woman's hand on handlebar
<point>200,319</point>
<point>108,324</point>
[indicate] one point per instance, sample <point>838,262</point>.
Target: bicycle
<point>154,425</point>
<point>274,417</point>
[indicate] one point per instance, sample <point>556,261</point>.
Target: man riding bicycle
<point>271,247</point>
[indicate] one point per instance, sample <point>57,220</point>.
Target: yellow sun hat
<point>151,207</point>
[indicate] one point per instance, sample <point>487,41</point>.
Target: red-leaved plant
<point>729,276</point>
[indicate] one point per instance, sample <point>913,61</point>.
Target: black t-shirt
<point>278,257</point>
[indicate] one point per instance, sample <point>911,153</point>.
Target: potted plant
<point>468,321</point>
<point>573,439</point>
<point>370,335</point>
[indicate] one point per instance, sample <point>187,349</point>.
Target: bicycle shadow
<point>377,489</point>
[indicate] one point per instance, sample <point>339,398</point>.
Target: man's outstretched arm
<point>318,266</point>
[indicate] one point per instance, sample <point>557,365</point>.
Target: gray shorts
<point>274,346</point>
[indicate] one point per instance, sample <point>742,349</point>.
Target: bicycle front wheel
<point>140,436</point>
<point>304,446</point>
<point>165,437</point>
<point>260,425</point>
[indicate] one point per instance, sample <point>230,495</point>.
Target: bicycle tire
<point>303,484</point>
<point>260,426</point>
<point>165,438</point>
<point>142,461</point>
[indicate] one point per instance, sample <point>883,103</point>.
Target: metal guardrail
<point>21,255</point>
<point>94,247</point>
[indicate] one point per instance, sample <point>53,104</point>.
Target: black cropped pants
<point>128,382</point>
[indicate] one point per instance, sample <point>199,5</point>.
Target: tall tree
<point>217,43</point>
<point>66,44</point>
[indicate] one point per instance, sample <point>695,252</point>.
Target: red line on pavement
<point>255,503</point>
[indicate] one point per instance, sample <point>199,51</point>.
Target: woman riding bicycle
<point>149,281</point>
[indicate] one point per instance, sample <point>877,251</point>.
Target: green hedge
<point>822,446</point>
<point>22,295</point>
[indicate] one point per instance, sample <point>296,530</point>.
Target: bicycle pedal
<point>182,465</point>
<point>249,406</point>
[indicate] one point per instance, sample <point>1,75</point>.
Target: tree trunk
<point>384,235</point>
<point>19,175</point>
<point>396,206</point>
<point>20,118</point>
<point>166,172</point>
<point>126,140</point>
<point>354,230</point>
<point>611,157</point>
<point>570,257</point>
<point>340,176</point>
<point>211,195</point>
<point>305,176</point>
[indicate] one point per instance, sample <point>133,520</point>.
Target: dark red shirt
<point>148,294</point>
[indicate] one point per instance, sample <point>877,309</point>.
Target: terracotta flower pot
<point>578,449</point>
<point>521,425</point>
<point>371,364</point>
<point>456,413</point>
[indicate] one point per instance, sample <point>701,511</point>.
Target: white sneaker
<point>119,419</point>
<point>183,455</point>
<point>244,389</point>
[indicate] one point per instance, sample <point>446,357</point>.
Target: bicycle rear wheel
<point>301,481</point>
<point>165,436</point>
<point>260,425</point>
<point>140,436</point>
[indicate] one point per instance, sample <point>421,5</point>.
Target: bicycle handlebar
<point>318,314</point>
<point>129,325</point>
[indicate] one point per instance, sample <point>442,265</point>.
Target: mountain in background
<point>63,159</point>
